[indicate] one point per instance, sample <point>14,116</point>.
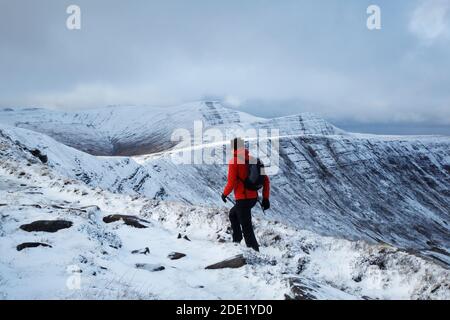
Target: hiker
<point>246,197</point>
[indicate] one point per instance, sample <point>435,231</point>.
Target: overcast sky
<point>265,57</point>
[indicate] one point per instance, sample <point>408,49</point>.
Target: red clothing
<point>237,173</point>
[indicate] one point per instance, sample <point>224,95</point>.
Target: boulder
<point>38,154</point>
<point>46,225</point>
<point>176,255</point>
<point>234,262</point>
<point>146,250</point>
<point>150,267</point>
<point>300,291</point>
<point>132,221</point>
<point>185,237</point>
<point>25,245</point>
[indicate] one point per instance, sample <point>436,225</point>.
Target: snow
<point>41,273</point>
<point>312,248</point>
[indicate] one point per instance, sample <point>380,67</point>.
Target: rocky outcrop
<point>25,245</point>
<point>46,226</point>
<point>150,267</point>
<point>38,154</point>
<point>234,263</point>
<point>176,255</point>
<point>146,250</point>
<point>300,291</point>
<point>132,221</point>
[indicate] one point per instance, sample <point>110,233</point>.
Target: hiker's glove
<point>224,198</point>
<point>265,204</point>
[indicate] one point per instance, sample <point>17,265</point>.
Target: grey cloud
<point>268,57</point>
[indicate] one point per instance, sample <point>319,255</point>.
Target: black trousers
<point>241,222</point>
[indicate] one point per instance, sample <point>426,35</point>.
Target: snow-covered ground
<point>293,262</point>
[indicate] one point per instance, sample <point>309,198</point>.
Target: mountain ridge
<point>131,131</point>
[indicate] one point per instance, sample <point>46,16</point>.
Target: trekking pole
<point>231,200</point>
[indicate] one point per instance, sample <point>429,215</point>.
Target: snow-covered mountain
<point>143,130</point>
<point>377,188</point>
<point>389,197</point>
<point>140,256</point>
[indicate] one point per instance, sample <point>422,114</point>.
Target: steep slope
<point>98,260</point>
<point>143,130</point>
<point>121,130</point>
<point>393,190</point>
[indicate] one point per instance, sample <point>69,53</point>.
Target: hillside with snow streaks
<point>388,189</point>
<point>143,130</point>
<point>376,205</point>
<point>113,262</point>
<point>121,130</point>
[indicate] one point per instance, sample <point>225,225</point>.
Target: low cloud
<point>264,57</point>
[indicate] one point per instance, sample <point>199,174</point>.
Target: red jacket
<point>237,173</point>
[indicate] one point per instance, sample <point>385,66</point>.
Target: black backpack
<point>255,177</point>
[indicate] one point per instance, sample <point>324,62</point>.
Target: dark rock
<point>37,153</point>
<point>435,288</point>
<point>37,206</point>
<point>46,225</point>
<point>25,245</point>
<point>378,261</point>
<point>186,238</point>
<point>150,267</point>
<point>179,236</point>
<point>146,250</point>
<point>132,221</point>
<point>22,173</point>
<point>234,262</point>
<point>300,290</point>
<point>276,238</point>
<point>357,278</point>
<point>302,263</point>
<point>176,255</point>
